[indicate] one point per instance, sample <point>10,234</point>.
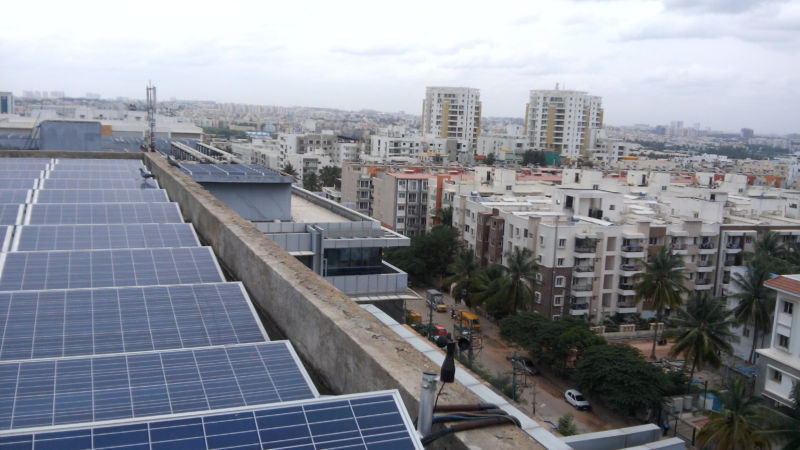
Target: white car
<point>576,399</point>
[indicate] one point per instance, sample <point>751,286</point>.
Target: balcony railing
<point>676,246</point>
<point>626,286</point>
<point>579,306</point>
<point>584,269</point>
<point>707,245</point>
<point>702,282</point>
<point>704,264</point>
<point>581,287</point>
<point>734,245</point>
<point>630,267</point>
<point>632,248</point>
<point>585,249</point>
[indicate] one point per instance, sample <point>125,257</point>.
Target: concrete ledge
<point>615,439</point>
<point>347,348</point>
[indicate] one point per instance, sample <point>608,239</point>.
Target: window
<point>562,243</point>
<point>788,307</point>
<point>560,262</point>
<point>401,207</point>
<point>541,239</point>
<point>663,188</point>
<point>777,375</point>
<point>556,316</point>
<point>558,300</point>
<point>401,220</point>
<point>508,187</point>
<point>538,297</point>
<point>539,259</point>
<point>783,341</point>
<point>560,281</point>
<point>611,207</point>
<point>525,232</point>
<point>466,228</point>
<point>538,276</point>
<point>653,241</point>
<point>748,239</point>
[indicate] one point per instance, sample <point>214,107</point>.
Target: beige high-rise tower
<point>561,121</point>
<point>453,112</point>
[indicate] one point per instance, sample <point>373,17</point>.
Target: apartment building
<point>400,200</point>
<point>779,364</point>
<point>453,112</point>
<point>504,147</point>
<point>562,121</point>
<point>306,152</point>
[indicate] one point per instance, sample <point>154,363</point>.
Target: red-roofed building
<point>779,363</point>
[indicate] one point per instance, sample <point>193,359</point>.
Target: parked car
<point>439,330</point>
<point>577,400</point>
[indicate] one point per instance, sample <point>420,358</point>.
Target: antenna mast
<point>150,139</point>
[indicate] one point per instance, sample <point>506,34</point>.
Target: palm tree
<point>444,216</point>
<point>769,251</point>
<point>737,425</point>
<point>329,175</point>
<point>756,301</point>
<point>707,331</point>
<point>520,272</point>
<point>784,429</point>
<point>288,169</point>
<point>661,283</point>
<point>486,289</point>
<point>464,269</point>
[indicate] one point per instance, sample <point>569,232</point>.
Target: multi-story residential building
<point>400,200</point>
<point>453,112</point>
<point>779,364</point>
<point>561,121</point>
<point>504,147</point>
<point>6,103</point>
<point>306,152</point>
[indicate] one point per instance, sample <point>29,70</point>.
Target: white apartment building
<point>503,146</point>
<point>561,121</point>
<point>779,364</point>
<point>389,149</point>
<point>400,200</point>
<point>453,112</point>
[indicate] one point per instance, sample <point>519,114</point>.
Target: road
<point>495,356</point>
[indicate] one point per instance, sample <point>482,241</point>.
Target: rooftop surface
<point>305,211</point>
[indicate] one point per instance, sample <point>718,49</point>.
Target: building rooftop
<point>785,283</point>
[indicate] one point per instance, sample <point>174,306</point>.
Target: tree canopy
<point>428,255</point>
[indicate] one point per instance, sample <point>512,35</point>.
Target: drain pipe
<point>425,415</point>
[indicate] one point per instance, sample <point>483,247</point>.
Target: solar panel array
<point>225,169</point>
<point>110,310</point>
<point>373,421</point>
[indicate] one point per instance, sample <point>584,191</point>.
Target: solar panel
<point>225,169</point>
<point>17,183</point>
<point>104,174</point>
<point>100,196</point>
<point>54,324</point>
<point>78,390</point>
<point>24,166</point>
<point>100,213</point>
<point>11,214</point>
<point>11,173</point>
<point>362,421</point>
<point>98,237</point>
<point>94,163</point>
<point>26,271</point>
<point>15,195</point>
<point>99,184</point>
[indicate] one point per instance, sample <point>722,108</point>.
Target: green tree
<point>737,425</point>
<point>566,425</point>
<point>783,429</point>
<point>706,324</point>
<point>428,255</point>
<point>444,216</point>
<point>486,287</point>
<point>330,175</point>
<point>770,252</point>
<point>620,378</point>
<point>288,169</point>
<point>490,159</point>
<point>661,284</point>
<point>465,269</point>
<point>311,181</point>
<point>756,301</point>
<point>520,269</point>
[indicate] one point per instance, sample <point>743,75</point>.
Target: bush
<point>566,426</point>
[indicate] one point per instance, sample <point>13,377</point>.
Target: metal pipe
<point>427,397</point>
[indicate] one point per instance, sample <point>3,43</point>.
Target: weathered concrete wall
<point>615,439</point>
<point>343,344</point>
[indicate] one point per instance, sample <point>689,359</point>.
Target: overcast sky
<point>726,64</point>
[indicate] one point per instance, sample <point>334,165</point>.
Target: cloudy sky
<point>726,64</point>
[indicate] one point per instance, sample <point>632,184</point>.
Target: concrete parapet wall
<point>346,348</point>
<point>615,439</point>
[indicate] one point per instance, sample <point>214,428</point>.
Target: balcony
<point>582,290</point>
<point>579,309</point>
<point>702,284</point>
<point>626,308</point>
<point>630,269</point>
<point>733,247</point>
<point>678,249</point>
<point>632,251</point>
<point>626,289</point>
<point>585,249</point>
<point>583,272</point>
<point>705,266</point>
<point>706,248</point>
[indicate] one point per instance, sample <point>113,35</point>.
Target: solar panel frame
<point>96,162</point>
<point>6,233</point>
<point>98,213</point>
<point>19,183</point>
<point>380,418</point>
<point>10,173</point>
<point>91,322</point>
<point>70,183</point>
<point>64,391</point>
<point>100,196</point>
<point>103,237</point>
<point>86,269</point>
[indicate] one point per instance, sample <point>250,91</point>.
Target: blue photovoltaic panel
<point>100,213</point>
<point>98,174</point>
<point>14,195</point>
<point>8,173</point>
<point>371,421</point>
<point>100,237</point>
<point>225,169</point>
<point>10,214</point>
<point>97,163</point>
<point>101,196</point>
<point>78,390</point>
<point>34,271</point>
<point>99,184</point>
<point>54,324</point>
<point>17,183</point>
<point>5,238</point>
<point>23,166</point>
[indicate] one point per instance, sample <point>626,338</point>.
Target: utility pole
<point>150,139</point>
